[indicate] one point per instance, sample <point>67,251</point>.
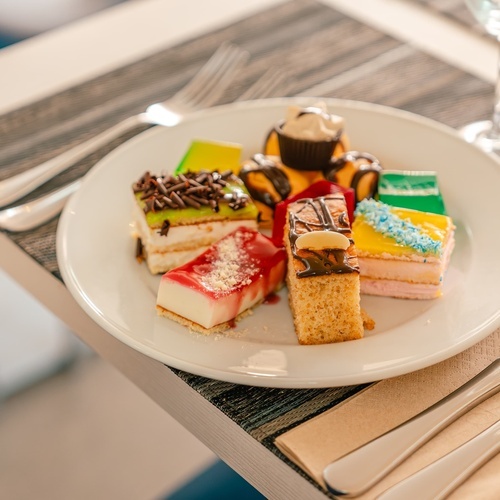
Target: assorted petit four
<point>178,217</point>
<point>402,253</point>
<point>271,143</point>
<point>309,145</point>
<point>323,272</point>
<point>415,189</point>
<point>341,226</point>
<point>224,282</point>
<point>307,137</point>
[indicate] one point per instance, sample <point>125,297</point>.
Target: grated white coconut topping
<point>232,267</point>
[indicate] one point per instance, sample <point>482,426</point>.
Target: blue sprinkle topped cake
<point>402,253</point>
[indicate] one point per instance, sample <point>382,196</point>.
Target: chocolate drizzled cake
<point>323,271</point>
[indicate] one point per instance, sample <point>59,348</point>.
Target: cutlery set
<point>356,472</point>
<point>203,91</point>
<point>440,478</point>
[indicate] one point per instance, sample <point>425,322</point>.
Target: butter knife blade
<point>359,470</point>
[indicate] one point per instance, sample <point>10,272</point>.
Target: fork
<point>202,91</point>
<point>37,212</point>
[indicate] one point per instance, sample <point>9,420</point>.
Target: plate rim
<point>232,376</point>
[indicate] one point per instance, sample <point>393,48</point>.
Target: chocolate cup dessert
<point>304,154</point>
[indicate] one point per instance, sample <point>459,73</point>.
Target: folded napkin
<point>388,403</point>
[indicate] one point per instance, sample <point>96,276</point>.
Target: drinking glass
<point>486,134</point>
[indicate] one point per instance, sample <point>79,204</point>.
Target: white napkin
<point>388,403</point>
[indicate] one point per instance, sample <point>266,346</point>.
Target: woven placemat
<point>326,53</point>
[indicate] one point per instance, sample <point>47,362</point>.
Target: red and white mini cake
<point>220,286</point>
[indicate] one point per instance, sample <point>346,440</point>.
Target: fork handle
<point>19,185</point>
<point>440,478</point>
<point>37,212</point>
<point>357,471</point>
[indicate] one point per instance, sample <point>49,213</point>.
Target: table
<point>64,86</point>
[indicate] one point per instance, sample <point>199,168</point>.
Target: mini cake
<point>210,155</point>
<point>299,152</point>
<point>178,217</point>
<point>308,137</point>
<point>418,190</point>
<point>271,145</point>
<point>323,272</point>
<point>211,292</point>
<point>402,253</point>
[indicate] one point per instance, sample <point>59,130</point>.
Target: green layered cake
<point>176,218</point>
<point>418,190</point>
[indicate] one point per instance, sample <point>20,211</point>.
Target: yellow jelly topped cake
<point>402,252</point>
<point>381,229</point>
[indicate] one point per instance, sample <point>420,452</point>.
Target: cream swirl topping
<point>313,123</point>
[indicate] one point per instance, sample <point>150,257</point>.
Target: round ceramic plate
<point>96,256</point>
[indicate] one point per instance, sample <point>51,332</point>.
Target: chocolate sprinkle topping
<point>192,189</point>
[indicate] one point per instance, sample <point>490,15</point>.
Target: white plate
<point>96,257</point>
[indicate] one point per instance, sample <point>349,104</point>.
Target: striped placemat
<point>326,54</point>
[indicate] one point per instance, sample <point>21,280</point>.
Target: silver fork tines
<point>208,85</point>
<point>270,84</point>
<point>37,212</point>
<point>203,90</point>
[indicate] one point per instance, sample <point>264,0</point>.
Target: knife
<point>359,470</point>
<point>439,479</point>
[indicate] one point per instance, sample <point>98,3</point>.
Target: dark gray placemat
<point>317,46</point>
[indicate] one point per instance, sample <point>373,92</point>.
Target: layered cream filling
<point>210,310</point>
<point>399,289</point>
<point>413,272</point>
<point>412,269</point>
<point>417,278</point>
<point>160,262</point>
<point>402,252</point>
<point>182,243</point>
